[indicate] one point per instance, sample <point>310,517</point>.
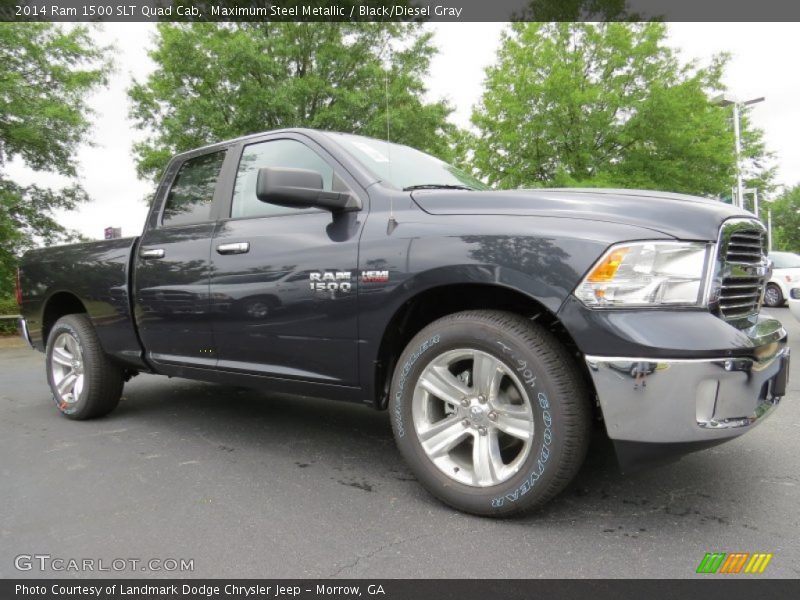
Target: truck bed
<point>99,274</point>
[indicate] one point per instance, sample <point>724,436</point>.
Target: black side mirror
<point>301,188</point>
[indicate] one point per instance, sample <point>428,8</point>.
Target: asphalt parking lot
<point>250,485</point>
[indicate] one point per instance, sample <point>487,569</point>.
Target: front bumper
<point>683,401</point>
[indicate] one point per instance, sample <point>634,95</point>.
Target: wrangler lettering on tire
<point>494,418</point>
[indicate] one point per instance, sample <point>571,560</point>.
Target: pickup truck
<point>495,326</point>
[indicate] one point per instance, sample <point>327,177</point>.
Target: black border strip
<point>708,587</point>
<point>400,10</point>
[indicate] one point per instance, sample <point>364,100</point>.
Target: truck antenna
<point>392,224</point>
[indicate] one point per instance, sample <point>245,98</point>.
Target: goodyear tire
<point>490,412</point>
<point>84,381</point>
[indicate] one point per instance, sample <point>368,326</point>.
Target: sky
<point>762,55</point>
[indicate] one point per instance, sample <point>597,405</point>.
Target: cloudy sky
<point>761,53</point>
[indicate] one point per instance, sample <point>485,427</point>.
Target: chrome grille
<point>739,297</point>
<point>742,271</point>
<point>746,247</point>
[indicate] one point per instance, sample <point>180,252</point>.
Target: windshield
<point>785,260</point>
<point>404,167</point>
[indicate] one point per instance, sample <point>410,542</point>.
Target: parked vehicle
<point>785,276</point>
<point>493,325</point>
<point>794,302</point>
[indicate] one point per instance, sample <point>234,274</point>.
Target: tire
<point>773,297</point>
<point>94,383</point>
<point>531,387</point>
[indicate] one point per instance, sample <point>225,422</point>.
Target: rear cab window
<point>192,193</point>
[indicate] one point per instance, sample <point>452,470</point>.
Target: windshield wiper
<point>437,186</point>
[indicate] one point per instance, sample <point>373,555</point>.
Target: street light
<point>726,100</point>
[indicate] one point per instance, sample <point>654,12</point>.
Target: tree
<point>216,81</point>
<point>786,220</point>
<point>578,10</point>
<point>46,73</point>
<point>605,105</point>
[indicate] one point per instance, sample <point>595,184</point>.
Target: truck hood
<point>681,216</point>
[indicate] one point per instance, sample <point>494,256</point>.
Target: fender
<point>540,258</point>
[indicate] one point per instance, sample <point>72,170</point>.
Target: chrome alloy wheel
<point>772,296</point>
<point>67,370</point>
<point>473,417</point>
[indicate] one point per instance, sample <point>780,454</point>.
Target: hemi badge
<point>374,276</point>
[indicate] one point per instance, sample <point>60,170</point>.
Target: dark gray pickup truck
<point>494,325</point>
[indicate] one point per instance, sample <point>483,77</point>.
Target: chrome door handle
<point>235,248</point>
<point>154,253</point>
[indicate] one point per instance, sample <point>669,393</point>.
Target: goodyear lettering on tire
<point>529,377</point>
<point>401,384</point>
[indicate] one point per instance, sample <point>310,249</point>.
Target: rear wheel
<point>773,297</point>
<point>84,381</point>
<point>490,412</point>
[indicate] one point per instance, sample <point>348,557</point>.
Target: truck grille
<point>746,247</point>
<point>739,297</point>
<point>742,271</point>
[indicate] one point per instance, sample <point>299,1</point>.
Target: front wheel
<point>84,381</point>
<point>773,297</point>
<point>490,412</point>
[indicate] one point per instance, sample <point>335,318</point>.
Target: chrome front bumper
<point>692,400</point>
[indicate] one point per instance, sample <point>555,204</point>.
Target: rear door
<point>284,280</point>
<point>171,274</point>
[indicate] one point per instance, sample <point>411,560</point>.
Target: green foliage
<point>584,104</point>
<point>26,219</point>
<point>8,306</point>
<point>216,81</point>
<point>786,220</point>
<point>45,75</point>
<point>578,10</point>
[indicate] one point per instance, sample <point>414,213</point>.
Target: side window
<point>278,153</point>
<point>189,200</point>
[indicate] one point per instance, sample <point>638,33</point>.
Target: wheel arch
<point>59,304</point>
<point>434,303</point>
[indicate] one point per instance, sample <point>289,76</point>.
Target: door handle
<point>154,253</point>
<point>235,248</point>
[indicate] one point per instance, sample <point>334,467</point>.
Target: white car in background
<point>794,302</point>
<point>785,277</point>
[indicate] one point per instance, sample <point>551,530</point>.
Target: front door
<point>284,280</point>
<point>171,269</point>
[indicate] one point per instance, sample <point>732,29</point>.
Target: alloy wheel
<point>473,417</point>
<point>67,368</point>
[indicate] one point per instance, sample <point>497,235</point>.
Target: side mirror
<point>301,188</point>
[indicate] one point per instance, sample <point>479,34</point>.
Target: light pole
<point>769,230</point>
<point>726,100</point>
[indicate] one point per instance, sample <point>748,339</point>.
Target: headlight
<point>647,274</point>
